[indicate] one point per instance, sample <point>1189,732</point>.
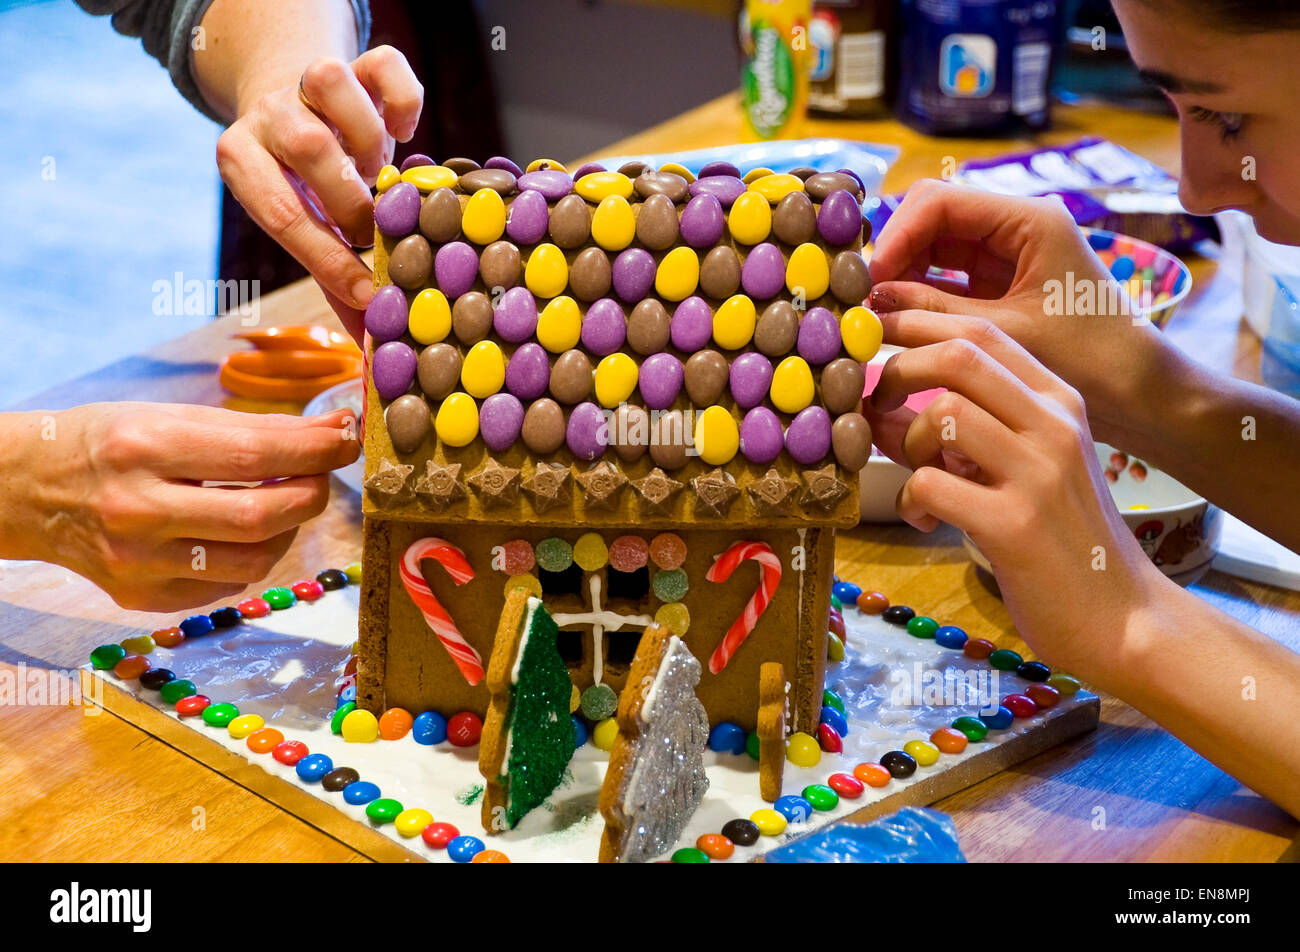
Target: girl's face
<point>1238,102</point>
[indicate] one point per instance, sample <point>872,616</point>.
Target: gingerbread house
<point>633,392</point>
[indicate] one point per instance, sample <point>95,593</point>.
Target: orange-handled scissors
<point>291,363</point>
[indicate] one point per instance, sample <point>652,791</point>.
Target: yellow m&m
<point>388,177</point>
<point>596,186</point>
<point>678,169</point>
<point>613,226</point>
<point>360,727</point>
<point>457,420</point>
<point>922,752</point>
<point>808,272</point>
<point>717,437</point>
<point>802,750</point>
<point>734,321</point>
<point>775,187</point>
<point>768,821</point>
<point>750,220</point>
<point>756,173</point>
<point>615,379</point>
<point>559,326</point>
<point>792,385</point>
<point>484,370</point>
<point>245,724</point>
<point>547,273</point>
<point>484,218</point>
<point>678,274</point>
<point>429,177</point>
<point>861,332</point>
<point>412,821</point>
<point>430,317</point>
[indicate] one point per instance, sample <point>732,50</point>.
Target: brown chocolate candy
<point>850,279</point>
<point>438,370</point>
<point>543,429</point>
<point>777,329</point>
<point>570,222</point>
<point>461,165</point>
<point>656,222</point>
<point>648,327</point>
<point>706,377</point>
<point>631,434</point>
<point>842,382</point>
<point>670,184</point>
<point>408,421</point>
<point>866,231</point>
<point>668,440</point>
<point>803,172</point>
<point>823,183</point>
<point>499,180</point>
<point>720,272</point>
<point>632,169</point>
<point>440,216</point>
<point>589,275</point>
<point>851,441</point>
<point>500,265</point>
<point>794,220</point>
<point>411,263</point>
<point>471,317</point>
<point>571,377</point>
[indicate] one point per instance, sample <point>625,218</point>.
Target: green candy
<point>922,627</point>
<point>831,699</point>
<point>383,810</point>
<point>219,715</point>
<point>553,554</point>
<point>836,603</point>
<point>1004,659</point>
<point>821,796</point>
<point>279,598</point>
<point>336,722</point>
<point>689,854</point>
<point>106,656</point>
<point>974,729</point>
<point>599,702</point>
<point>670,585</point>
<point>751,744</point>
<point>173,691</point>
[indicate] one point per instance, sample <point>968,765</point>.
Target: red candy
<point>168,637</point>
<point>308,589</point>
<point>131,667</point>
<point>837,625</point>
<point>628,553</point>
<point>1044,695</point>
<point>830,741</point>
<point>1019,705</point>
<point>464,729</point>
<point>872,603</point>
<point>979,648</point>
<point>667,550</point>
<point>253,608</point>
<point>290,752</point>
<point>848,787</point>
<point>438,835</point>
<point>192,705</point>
<point>517,557</point>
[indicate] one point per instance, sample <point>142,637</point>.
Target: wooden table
<point>1129,791</point>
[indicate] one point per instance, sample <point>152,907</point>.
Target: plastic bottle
<point>852,67</point>
<point>774,71</point>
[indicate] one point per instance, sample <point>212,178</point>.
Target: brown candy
<point>500,265</point>
<point>777,329</point>
<point>823,183</point>
<point>499,180</point>
<point>648,327</point>
<point>471,317</point>
<point>794,220</point>
<point>408,422</point>
<point>706,377</point>
<point>543,429</point>
<point>632,169</point>
<point>668,440</point>
<point>440,216</point>
<point>656,222</point>
<point>570,222</point>
<point>589,275</point>
<point>851,441</point>
<point>866,231</point>
<point>803,172</point>
<point>842,383</point>
<point>850,279</point>
<point>668,184</point>
<point>631,434</point>
<point>438,370</point>
<point>571,377</point>
<point>461,165</point>
<point>411,263</point>
<point>720,272</point>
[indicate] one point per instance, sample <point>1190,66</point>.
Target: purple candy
<point>455,266</point>
<point>702,221</point>
<point>819,336</point>
<point>397,211</point>
<point>808,439</point>
<point>634,274</point>
<point>552,183</point>
<point>604,328</point>
<point>761,439</point>
<point>515,316</point>
<point>587,169</point>
<point>725,188</point>
<point>660,380</point>
<point>386,314</point>
<point>840,219</point>
<point>692,324</point>
<point>500,419</point>
<point>719,167</point>
<point>501,162</point>
<point>587,433</point>
<point>750,378</point>
<point>415,159</point>
<point>529,372</point>
<point>763,274</point>
<point>527,217</point>
<point>393,368</point>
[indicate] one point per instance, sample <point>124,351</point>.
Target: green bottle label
<point>768,81</point>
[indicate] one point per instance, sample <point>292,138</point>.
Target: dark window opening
<point>631,585</point>
<point>568,582</point>
<point>570,645</point>
<point>622,648</point>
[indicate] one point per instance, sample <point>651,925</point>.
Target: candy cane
<point>452,559</point>
<point>721,570</point>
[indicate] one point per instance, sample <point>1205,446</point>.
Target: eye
<point>1229,124</point>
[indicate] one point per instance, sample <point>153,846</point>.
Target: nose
<point>1216,175</point>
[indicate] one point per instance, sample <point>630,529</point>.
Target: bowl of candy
<point>1156,281</point>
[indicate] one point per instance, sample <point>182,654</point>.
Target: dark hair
<point>1241,16</point>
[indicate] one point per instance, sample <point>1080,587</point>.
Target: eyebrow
<point>1177,84</point>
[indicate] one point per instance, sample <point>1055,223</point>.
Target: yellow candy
<point>750,220</point>
<point>430,318</point>
<point>360,727</point>
<point>774,187</point>
<point>834,647</point>
<point>924,754</point>
<point>1133,508</point>
<point>538,164</point>
<point>677,169</point>
<point>596,186</point>
<point>808,269</point>
<point>792,385</point>
<point>429,177</point>
<point>754,174</point>
<point>733,322</point>
<point>768,821</point>
<point>527,582</point>
<point>457,421</point>
<point>353,572</point>
<point>356,646</point>
<point>140,644</point>
<point>412,821</point>
<point>388,177</point>
<point>1065,683</point>
<point>604,733</point>
<point>559,326</point>
<point>801,749</point>
<point>716,436</point>
<point>484,370</point>
<point>547,273</point>
<point>590,552</point>
<point>678,274</point>
<point>616,378</point>
<point>575,699</point>
<point>484,218</point>
<point>245,724</point>
<point>675,617</point>
<point>861,332</point>
<point>613,226</point>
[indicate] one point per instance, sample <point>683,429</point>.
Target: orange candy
<point>168,637</point>
<point>395,723</point>
<point>490,856</point>
<point>1044,695</point>
<point>131,667</point>
<point>872,603</point>
<point>264,740</point>
<point>949,740</point>
<point>715,846</point>
<point>873,775</point>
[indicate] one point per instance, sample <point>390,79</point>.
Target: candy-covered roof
<point>639,345</point>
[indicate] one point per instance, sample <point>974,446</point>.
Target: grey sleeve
<point>166,28</point>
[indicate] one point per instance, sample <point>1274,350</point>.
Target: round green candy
<point>670,585</point>
<point>921,626</point>
<point>106,656</point>
<point>751,744</point>
<point>836,603</point>
<point>689,854</point>
<point>383,810</point>
<point>279,598</point>
<point>173,691</point>
<point>553,554</point>
<point>831,699</point>
<point>599,702</point>
<point>974,729</point>
<point>821,796</point>
<point>1004,659</point>
<point>336,722</point>
<point>219,715</point>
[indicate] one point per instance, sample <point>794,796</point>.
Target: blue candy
<point>1122,268</point>
<point>794,808</point>
<point>196,626</point>
<point>464,848</point>
<point>1100,240</point>
<point>999,720</point>
<point>727,738</point>
<point>579,731</point>
<point>838,722</point>
<point>846,592</point>
<point>360,791</point>
<point>429,728</point>
<point>950,636</point>
<point>314,766</point>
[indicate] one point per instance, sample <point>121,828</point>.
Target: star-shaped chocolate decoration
<point>391,482</point>
<point>773,493</point>
<point>601,485</point>
<point>824,487</point>
<point>548,486</point>
<point>715,491</point>
<point>497,485</point>
<point>656,489</point>
<point>440,486</point>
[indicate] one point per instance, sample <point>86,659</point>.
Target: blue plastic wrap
<point>912,835</point>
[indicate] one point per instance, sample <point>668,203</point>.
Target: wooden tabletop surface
<point>96,788</point>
